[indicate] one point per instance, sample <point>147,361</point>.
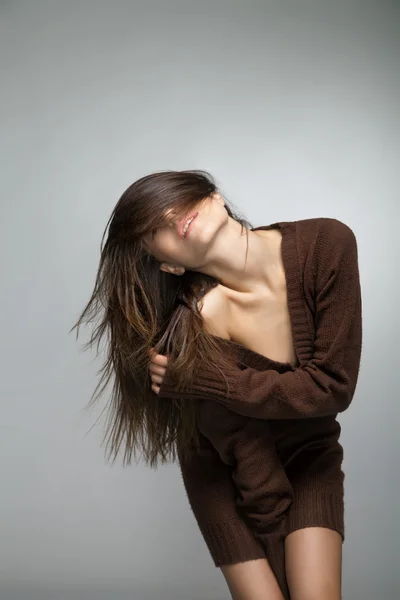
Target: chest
<point>261,321</point>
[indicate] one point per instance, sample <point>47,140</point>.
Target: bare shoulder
<point>215,311</point>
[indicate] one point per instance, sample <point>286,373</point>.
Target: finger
<point>157,379</point>
<point>155,388</point>
<point>160,359</point>
<point>157,370</point>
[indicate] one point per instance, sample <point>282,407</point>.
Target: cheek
<point>168,249</point>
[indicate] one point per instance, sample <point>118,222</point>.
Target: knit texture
<point>270,459</point>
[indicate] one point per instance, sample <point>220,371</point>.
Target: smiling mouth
<point>187,225</point>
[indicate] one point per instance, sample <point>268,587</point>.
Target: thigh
<point>314,564</point>
<point>252,580</point>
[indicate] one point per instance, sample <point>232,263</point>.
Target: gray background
<point>293,106</point>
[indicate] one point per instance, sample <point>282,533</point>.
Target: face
<point>177,251</point>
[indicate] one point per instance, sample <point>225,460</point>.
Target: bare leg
<point>314,564</point>
<point>252,580</point>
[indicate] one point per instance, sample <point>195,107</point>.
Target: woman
<point>255,341</point>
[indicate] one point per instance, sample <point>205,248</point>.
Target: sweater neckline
<point>302,338</point>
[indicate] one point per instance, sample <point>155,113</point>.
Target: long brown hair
<point>140,306</point>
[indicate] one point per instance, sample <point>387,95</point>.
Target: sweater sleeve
<point>263,489</point>
<point>212,498</point>
<point>324,385</point>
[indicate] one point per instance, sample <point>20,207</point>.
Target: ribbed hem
<point>316,508</point>
<point>229,543</point>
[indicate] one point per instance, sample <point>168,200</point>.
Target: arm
<point>212,498</point>
<point>326,384</point>
<point>247,446</point>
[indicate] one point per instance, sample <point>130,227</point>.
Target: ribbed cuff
<point>317,507</point>
<point>208,388</point>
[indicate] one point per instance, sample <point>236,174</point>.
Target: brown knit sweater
<point>270,461</point>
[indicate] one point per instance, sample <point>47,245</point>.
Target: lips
<point>183,222</point>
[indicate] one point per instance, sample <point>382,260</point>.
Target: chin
<point>206,236</point>
<point>207,231</point>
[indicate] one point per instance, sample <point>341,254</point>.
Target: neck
<point>226,258</point>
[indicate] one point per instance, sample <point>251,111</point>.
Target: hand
<point>158,367</point>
